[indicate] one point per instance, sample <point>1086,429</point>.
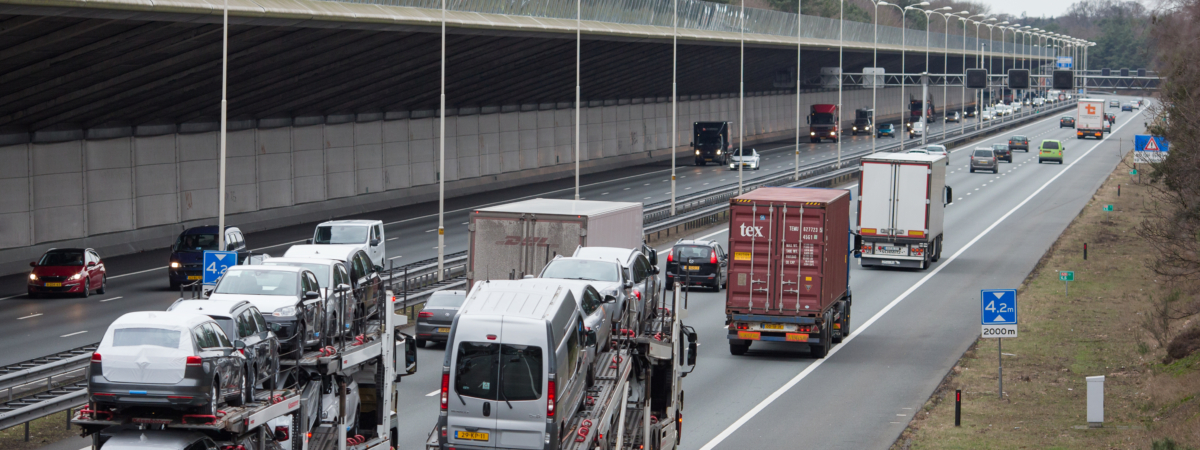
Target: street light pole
<point>796,162</point>
<point>874,78</point>
<point>224,106</point>
<point>442,160</point>
<point>838,125</point>
<point>674,94</point>
<point>578,99</point>
<point>741,96</point>
<point>924,106</point>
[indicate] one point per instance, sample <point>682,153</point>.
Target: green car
<point>1050,150</point>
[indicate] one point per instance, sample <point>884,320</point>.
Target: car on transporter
<point>77,271</point>
<point>290,297</point>
<point>243,323</point>
<point>701,263</point>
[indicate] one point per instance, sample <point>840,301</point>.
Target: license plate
<point>195,277</point>
<point>53,284</point>
<point>693,268</point>
<point>890,250</point>
<point>471,435</point>
<point>772,326</point>
<point>443,330</point>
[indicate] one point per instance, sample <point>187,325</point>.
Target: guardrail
<point>415,282</point>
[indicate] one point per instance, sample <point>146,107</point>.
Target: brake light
<point>867,248</point>
<point>713,259</point>
<point>549,399</point>
<point>424,314</point>
<point>95,357</point>
<point>194,360</point>
<point>669,257</point>
<point>743,326</point>
<point>637,294</point>
<point>446,389</point>
<point>917,251</point>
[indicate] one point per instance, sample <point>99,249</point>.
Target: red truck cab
<point>823,123</point>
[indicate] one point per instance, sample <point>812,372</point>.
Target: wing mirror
<point>312,295</point>
<point>239,345</point>
<point>32,264</point>
<point>275,327</point>
<point>374,242</point>
<point>92,264</point>
<point>610,299</point>
<point>628,284</point>
<point>405,355</point>
<point>693,340</point>
<point>591,337</point>
<point>379,268</point>
<point>342,287</point>
<point>653,257</point>
<point>653,270</point>
<point>308,241</point>
<point>949,196</point>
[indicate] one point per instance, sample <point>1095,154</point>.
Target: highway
<point>138,282</point>
<point>909,327</point>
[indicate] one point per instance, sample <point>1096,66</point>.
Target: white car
<point>1039,101</point>
<point>918,128</point>
<point>937,149</point>
<point>365,234</point>
<point>750,161</point>
<point>987,115</point>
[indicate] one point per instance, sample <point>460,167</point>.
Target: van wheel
<point>738,349</point>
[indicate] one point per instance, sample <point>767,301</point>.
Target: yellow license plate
<point>471,435</point>
<point>443,330</point>
<point>195,277</point>
<point>752,335</point>
<point>693,268</point>
<point>53,284</point>
<point>773,326</point>
<point>797,337</point>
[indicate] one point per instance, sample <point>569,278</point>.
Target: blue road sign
<point>216,263</point>
<point>1149,149</point>
<point>998,306</point>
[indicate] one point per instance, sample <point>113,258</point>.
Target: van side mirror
<point>628,284</point>
<point>653,257</point>
<point>374,242</point>
<point>308,241</point>
<point>949,198</point>
<point>312,295</point>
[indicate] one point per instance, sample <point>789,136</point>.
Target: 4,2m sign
<point>998,313</point>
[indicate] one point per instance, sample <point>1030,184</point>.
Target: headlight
<point>697,152</point>
<point>867,128</point>
<point>285,311</point>
<point>855,128</point>
<point>32,276</point>
<point>174,264</point>
<point>731,166</point>
<point>718,151</point>
<point>832,133</point>
<point>77,276</point>
<point>812,133</point>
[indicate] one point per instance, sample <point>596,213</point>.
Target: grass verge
<point>1096,330</point>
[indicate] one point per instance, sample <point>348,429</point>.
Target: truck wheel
<point>738,349</point>
<point>819,351</point>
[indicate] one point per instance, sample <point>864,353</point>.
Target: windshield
<point>1050,145</point>
<point>578,269</point>
<point>822,119</point>
<point>983,153</point>
<point>445,300</point>
<point>257,282</point>
<point>341,234</point>
<point>158,337</point>
<point>320,270</point>
<point>935,148</point>
<point>1000,146</point>
<point>709,137</point>
<point>195,243</point>
<point>62,258</point>
<point>1019,138</point>
<point>498,371</point>
<point>738,153</point>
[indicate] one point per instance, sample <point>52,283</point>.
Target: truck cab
<point>710,142</point>
<point>823,123</point>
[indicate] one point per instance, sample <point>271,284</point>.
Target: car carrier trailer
<point>277,416</point>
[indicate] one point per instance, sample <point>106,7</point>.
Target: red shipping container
<point>789,251</point>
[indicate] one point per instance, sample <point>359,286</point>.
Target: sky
<point>1032,8</point>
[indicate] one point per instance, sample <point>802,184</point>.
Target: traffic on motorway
<point>569,330</point>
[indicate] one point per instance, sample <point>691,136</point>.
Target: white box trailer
<point>901,205</point>
<point>516,239</point>
<point>1089,118</point>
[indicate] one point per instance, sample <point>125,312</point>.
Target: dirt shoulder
<point>1099,329</point>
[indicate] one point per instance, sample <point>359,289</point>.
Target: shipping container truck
<point>789,275</point>
<point>516,239</point>
<point>710,142</point>
<point>1089,120</point>
<point>823,122</point>
<point>902,200</point>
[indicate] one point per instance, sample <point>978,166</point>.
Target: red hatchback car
<point>67,271</point>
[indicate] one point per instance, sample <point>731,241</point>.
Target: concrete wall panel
<point>16,195</point>
<point>62,157</point>
<point>16,230</point>
<point>157,209</point>
<point>58,223</point>
<point>110,216</point>
<point>108,153</point>
<point>197,204</point>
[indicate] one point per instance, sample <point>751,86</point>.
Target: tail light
<point>867,248</point>
<point>637,294</point>
<point>669,257</point>
<point>95,357</point>
<point>549,399</point>
<point>446,389</point>
<point>194,360</point>
<point>424,314</point>
<point>917,251</point>
<point>713,259</point>
<point>743,326</point>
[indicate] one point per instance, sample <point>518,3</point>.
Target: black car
<point>1002,152</point>
<point>969,111</point>
<point>697,263</point>
<point>291,296</point>
<point>1018,142</point>
<point>167,360</point>
<point>243,323</point>
<point>434,320</point>
<point>1066,122</point>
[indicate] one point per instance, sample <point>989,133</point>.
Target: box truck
<point>823,121</point>
<point>789,275</point>
<point>1089,118</point>
<point>710,142</point>
<point>902,200</point>
<point>516,239</point>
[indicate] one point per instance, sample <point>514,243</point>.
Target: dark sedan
<point>76,271</point>
<point>697,263</point>
<point>243,323</point>
<point>167,360</point>
<point>886,129</point>
<point>1018,143</point>
<point>1002,152</point>
<point>1127,107</point>
<point>1066,122</point>
<point>434,320</point>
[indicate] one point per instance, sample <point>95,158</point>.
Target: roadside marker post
<point>1108,207</point>
<point>998,316</point>
<point>958,407</point>
<point>1067,276</point>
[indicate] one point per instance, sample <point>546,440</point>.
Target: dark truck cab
<point>864,121</point>
<point>823,123</point>
<point>710,142</point>
<point>915,108</point>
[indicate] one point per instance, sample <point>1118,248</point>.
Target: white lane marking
<point>392,239</point>
<point>626,189</point>
<point>647,198</point>
<point>29,316</point>
<point>111,299</point>
<point>812,367</point>
<point>395,257</point>
<point>430,231</point>
<point>431,394</point>
<point>603,193</point>
<point>269,246</point>
<point>11,296</point>
<point>75,333</point>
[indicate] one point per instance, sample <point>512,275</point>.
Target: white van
<point>918,128</point>
<point>516,368</point>
<point>364,234</point>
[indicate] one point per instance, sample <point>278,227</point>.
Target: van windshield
<point>498,371</point>
<point>195,243</point>
<point>983,153</point>
<point>577,269</point>
<point>341,234</point>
